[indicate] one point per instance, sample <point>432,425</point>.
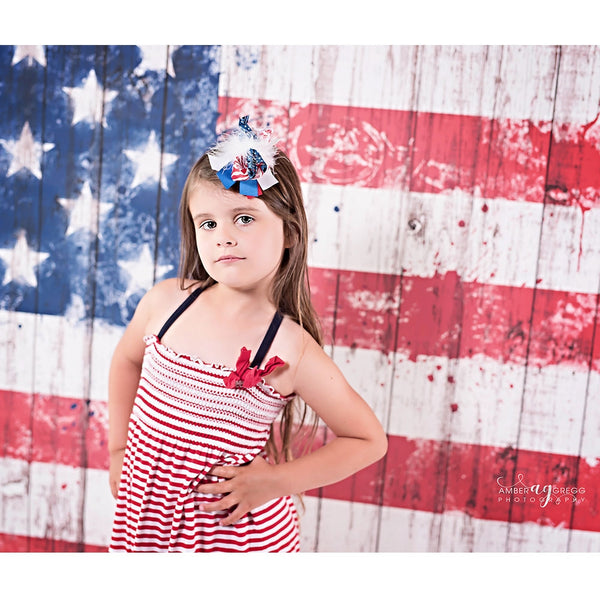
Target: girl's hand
<point>245,488</point>
<point>114,471</point>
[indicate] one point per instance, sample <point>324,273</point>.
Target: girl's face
<point>240,240</point>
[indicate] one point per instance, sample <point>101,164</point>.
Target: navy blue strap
<point>179,310</point>
<point>267,340</point>
<point>264,346</point>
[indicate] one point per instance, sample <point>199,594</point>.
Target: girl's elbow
<point>381,445</point>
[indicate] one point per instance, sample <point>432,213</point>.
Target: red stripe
<point>54,429</point>
<point>444,316</point>
<point>494,158</point>
<point>23,543</point>
<point>423,475</point>
<point>437,477</point>
<point>145,406</point>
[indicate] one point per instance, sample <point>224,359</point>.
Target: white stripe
<point>582,541</point>
<point>347,526</point>
<point>492,397</point>
<point>557,413</point>
<point>308,522</point>
<point>363,229</point>
<point>579,91</point>
<point>99,508</point>
<point>54,495</point>
<point>342,528</point>
<point>17,349</point>
<point>503,82</point>
<point>516,82</point>
<point>497,406</point>
<point>47,354</point>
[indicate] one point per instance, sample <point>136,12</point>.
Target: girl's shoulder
<point>311,369</point>
<point>163,298</point>
<point>294,341</point>
<point>170,290</point>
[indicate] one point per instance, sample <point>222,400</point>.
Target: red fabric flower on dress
<point>245,376</point>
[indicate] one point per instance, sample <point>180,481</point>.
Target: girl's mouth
<point>229,258</point>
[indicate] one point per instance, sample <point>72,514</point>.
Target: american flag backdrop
<point>453,197</point>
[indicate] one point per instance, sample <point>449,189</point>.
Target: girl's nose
<point>226,239</point>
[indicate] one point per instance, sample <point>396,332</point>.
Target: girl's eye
<point>208,225</point>
<point>245,219</point>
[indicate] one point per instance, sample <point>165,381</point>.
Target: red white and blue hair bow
<point>246,157</point>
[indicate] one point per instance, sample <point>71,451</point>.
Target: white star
<point>156,58</point>
<point>149,163</point>
<point>21,262</point>
<point>84,211</point>
<point>26,153</point>
<point>141,271</point>
<point>89,100</point>
<point>31,53</point>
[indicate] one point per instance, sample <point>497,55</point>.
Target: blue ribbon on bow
<point>248,187</point>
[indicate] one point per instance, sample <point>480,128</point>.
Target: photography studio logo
<point>542,493</point>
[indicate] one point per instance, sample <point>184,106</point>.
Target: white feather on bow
<point>238,144</point>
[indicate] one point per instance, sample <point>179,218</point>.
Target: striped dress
<point>189,416</point>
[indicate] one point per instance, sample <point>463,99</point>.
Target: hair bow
<point>246,157</point>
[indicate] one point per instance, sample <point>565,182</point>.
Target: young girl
<point>210,360</point>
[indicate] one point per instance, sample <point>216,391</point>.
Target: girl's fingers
<point>225,472</point>
<point>223,504</point>
<point>222,487</point>
<point>236,515</point>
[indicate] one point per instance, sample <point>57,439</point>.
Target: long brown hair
<point>290,290</point>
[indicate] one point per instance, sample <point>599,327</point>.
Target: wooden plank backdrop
<point>453,197</point>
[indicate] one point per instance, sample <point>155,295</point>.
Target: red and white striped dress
<point>186,420</point>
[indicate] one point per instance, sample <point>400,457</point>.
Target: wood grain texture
<point>453,199</point>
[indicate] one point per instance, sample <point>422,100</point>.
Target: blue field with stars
<point>95,145</point>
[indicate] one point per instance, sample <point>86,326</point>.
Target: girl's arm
<point>124,375</point>
<point>360,440</point>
